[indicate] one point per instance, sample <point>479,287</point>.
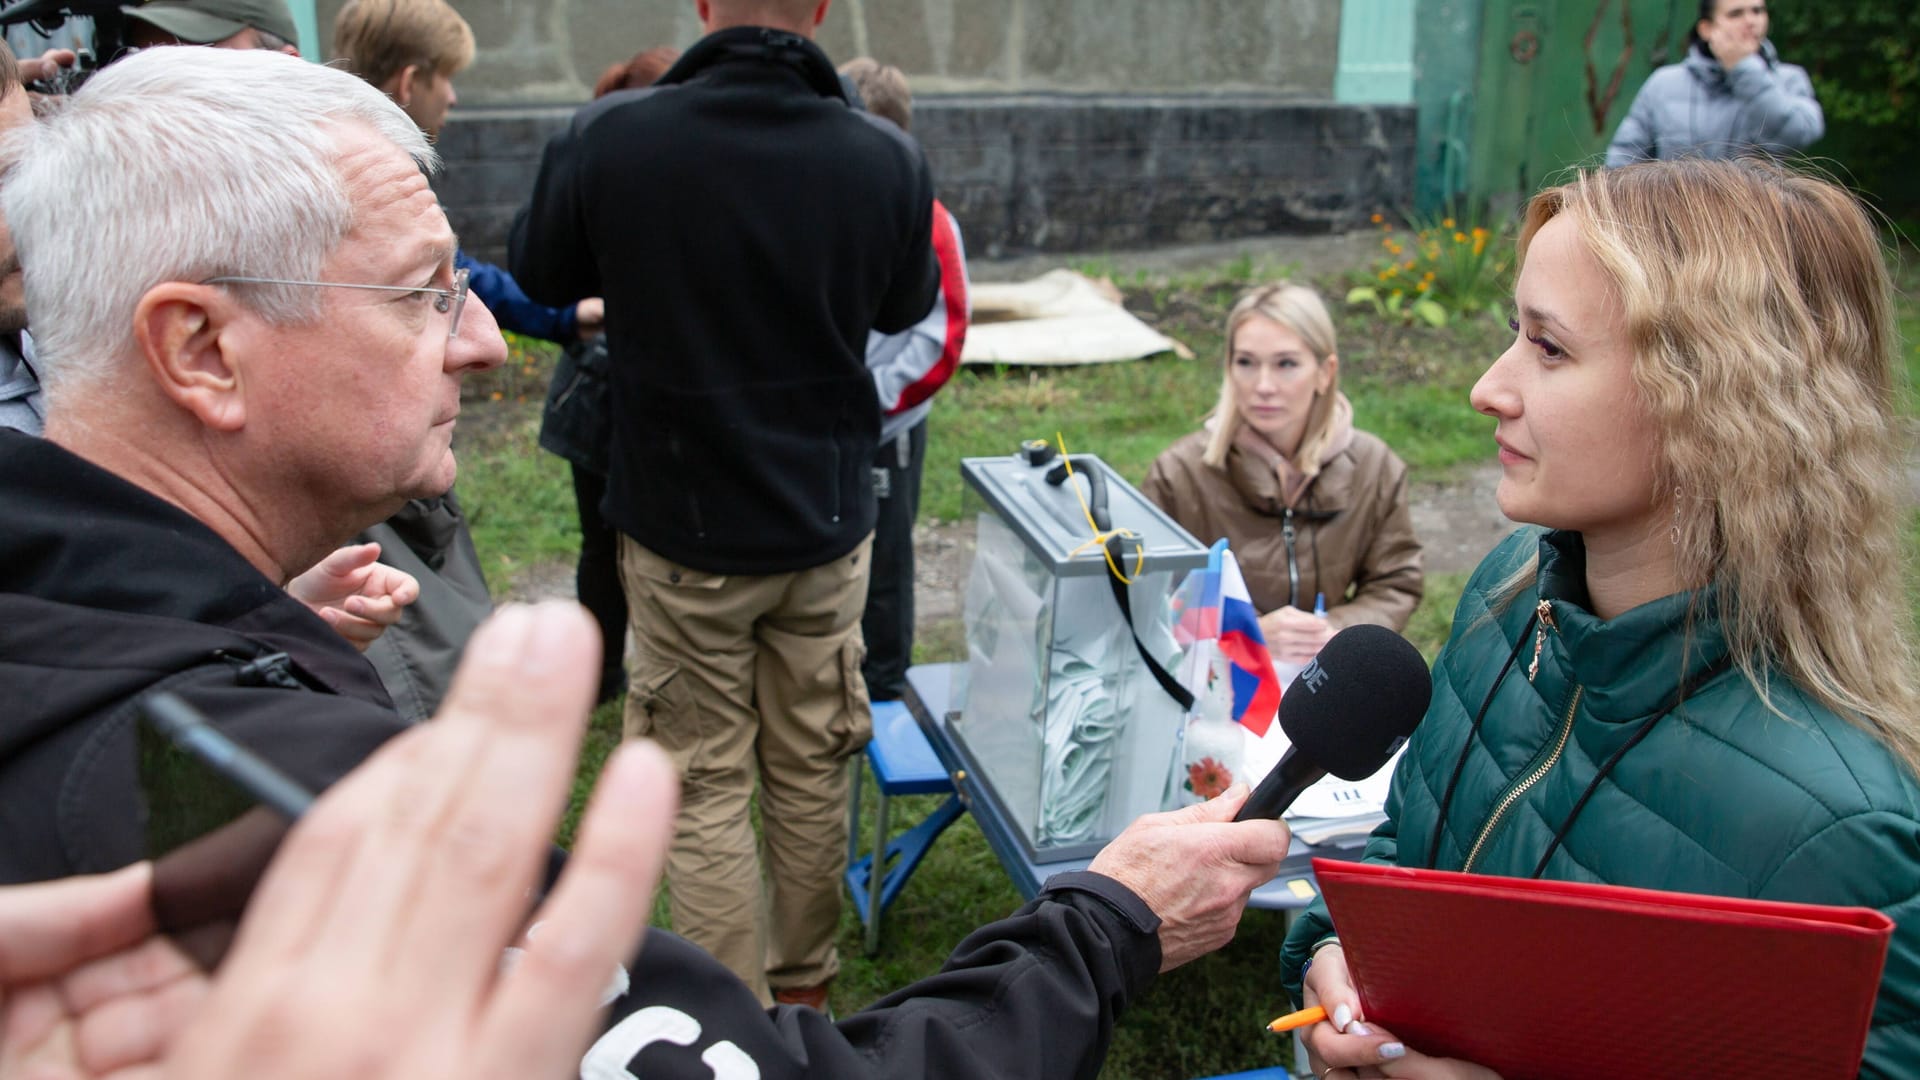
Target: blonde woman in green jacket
<point>1701,675</point>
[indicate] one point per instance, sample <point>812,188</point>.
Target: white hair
<point>180,164</point>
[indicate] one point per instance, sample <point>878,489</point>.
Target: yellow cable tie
<point>1100,538</point>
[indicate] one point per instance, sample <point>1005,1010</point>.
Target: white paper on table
<point>1331,797</point>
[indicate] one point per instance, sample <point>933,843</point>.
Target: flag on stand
<point>1214,604</point>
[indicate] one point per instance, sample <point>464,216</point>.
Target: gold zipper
<point>1544,614</point>
<point>1513,796</point>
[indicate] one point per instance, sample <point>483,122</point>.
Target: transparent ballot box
<point>1056,714</point>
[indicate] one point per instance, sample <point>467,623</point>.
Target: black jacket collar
<point>82,539</point>
<point>761,45</point>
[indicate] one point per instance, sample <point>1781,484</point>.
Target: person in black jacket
<point>778,226</point>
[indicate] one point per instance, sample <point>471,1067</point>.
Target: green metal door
<point>1555,78</point>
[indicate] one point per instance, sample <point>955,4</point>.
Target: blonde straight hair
<point>1760,315</point>
<point>1300,310</point>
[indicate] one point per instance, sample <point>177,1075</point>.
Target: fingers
<point>461,842</point>
<point>1260,843</point>
<point>47,930</point>
<point>344,561</point>
<point>400,587</point>
<point>1221,807</point>
<point>545,1011</point>
<point>133,1011</point>
<point>47,64</point>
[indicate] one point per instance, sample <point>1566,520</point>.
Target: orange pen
<point>1298,1019</point>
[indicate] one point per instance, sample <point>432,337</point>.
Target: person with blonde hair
<point>1700,674</point>
<point>1314,508</point>
<point>410,49</point>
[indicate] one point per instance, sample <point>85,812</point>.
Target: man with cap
<point>225,24</point>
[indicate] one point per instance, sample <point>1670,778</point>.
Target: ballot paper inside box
<point>1056,714</point>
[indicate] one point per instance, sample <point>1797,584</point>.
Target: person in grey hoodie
<point>1730,95</point>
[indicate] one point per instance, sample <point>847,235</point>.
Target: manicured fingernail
<point>1390,1051</point>
<point>1360,1029</point>
<point>1342,1016</point>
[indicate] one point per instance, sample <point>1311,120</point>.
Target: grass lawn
<point>1409,385</point>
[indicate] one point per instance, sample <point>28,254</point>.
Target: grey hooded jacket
<point>22,406</point>
<point>1697,108</point>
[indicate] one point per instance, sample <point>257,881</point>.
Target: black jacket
<point>107,592</point>
<point>747,229</point>
<point>1034,995</point>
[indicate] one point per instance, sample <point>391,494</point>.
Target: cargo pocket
<point>657,698</point>
<point>854,726</point>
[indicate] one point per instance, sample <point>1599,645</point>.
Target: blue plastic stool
<point>903,764</point>
<point>1275,1073</point>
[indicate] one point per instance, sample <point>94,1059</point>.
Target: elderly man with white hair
<point>252,340</point>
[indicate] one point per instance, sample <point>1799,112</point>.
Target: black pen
<point>186,728</point>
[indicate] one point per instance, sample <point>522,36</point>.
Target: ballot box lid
<point>1052,519</point>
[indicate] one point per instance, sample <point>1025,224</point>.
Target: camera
<point>109,36</point>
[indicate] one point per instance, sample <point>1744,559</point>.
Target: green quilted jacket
<point>1722,796</point>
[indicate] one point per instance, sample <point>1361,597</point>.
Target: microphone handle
<point>1282,786</point>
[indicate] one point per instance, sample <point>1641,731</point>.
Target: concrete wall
<point>1038,172</point>
<point>550,51</point>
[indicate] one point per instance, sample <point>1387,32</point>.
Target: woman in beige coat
<point>1313,507</point>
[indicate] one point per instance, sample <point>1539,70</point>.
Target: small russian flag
<point>1214,603</point>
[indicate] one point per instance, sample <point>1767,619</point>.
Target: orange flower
<point>1377,219</point>
<point>1422,287</point>
<point>1479,244</point>
<point>1459,238</point>
<point>497,395</point>
<point>1208,778</point>
<point>1446,223</point>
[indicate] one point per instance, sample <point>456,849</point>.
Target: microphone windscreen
<point>1358,701</point>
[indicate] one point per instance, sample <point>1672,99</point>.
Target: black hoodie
<point>106,592</point>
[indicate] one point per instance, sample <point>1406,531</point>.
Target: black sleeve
<point>1033,995</point>
<point>916,273</point>
<point>549,252</point>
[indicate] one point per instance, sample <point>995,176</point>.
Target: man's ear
<point>400,86</point>
<point>185,335</point>
<point>820,13</point>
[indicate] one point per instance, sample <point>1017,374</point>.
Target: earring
<point>1673,531</point>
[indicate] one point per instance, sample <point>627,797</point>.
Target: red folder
<point>1553,980</point>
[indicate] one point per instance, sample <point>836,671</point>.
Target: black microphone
<point>1345,714</point>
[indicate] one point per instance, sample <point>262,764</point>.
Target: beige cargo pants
<point>745,677</point>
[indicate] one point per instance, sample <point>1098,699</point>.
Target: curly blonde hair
<point>1300,310</point>
<point>1759,311</point>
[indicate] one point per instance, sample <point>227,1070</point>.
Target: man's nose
<point>479,345</point>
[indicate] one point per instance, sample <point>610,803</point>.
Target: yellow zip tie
<point>1100,538</point>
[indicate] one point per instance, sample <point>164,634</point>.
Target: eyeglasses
<point>444,300</point>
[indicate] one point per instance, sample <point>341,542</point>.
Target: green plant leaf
<point>1434,314</point>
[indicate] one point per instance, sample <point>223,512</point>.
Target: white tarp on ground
<point>1059,318</point>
